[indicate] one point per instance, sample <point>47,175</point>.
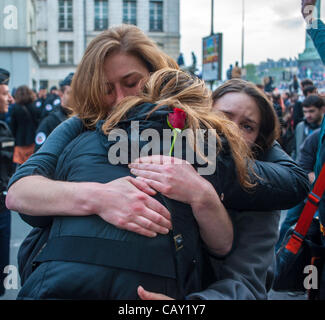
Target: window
<point>42,51</point>
<point>66,52</point>
<point>156,16</point>
<point>44,84</point>
<point>65,15</point>
<point>42,15</point>
<point>101,14</point>
<point>130,12</point>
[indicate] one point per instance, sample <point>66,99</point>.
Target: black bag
<point>29,249</point>
<point>289,272</point>
<point>303,247</point>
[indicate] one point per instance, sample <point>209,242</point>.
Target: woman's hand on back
<point>131,209</point>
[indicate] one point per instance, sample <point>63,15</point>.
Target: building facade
<point>18,41</point>
<point>53,34</point>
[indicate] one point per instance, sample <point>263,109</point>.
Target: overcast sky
<point>273,28</point>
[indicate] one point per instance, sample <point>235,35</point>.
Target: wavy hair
<point>88,84</point>
<point>175,88</point>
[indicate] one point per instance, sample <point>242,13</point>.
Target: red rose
<point>177,119</point>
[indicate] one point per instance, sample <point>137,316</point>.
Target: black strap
<point>141,257</point>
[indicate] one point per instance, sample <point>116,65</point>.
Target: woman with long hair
<point>23,124</point>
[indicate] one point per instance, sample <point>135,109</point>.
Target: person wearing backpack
<point>6,170</point>
<point>50,122</point>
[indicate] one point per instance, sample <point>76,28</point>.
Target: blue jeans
<point>290,220</point>
<point>5,221</point>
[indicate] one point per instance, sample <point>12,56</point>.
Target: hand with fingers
<point>178,180</point>
<point>139,213</point>
<point>148,295</point>
<point>307,7</point>
<point>168,176</point>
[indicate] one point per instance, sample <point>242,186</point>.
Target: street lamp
<point>243,34</point>
<point>212,16</point>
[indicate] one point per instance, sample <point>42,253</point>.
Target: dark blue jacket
<point>282,177</point>
<point>172,264</point>
<point>48,124</point>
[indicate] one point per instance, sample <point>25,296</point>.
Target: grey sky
<point>273,29</point>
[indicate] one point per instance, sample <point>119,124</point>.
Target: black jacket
<point>48,124</point>
<point>7,143</point>
<point>91,147</point>
<point>171,263</point>
<point>23,124</point>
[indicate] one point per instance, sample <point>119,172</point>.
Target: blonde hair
<point>175,88</point>
<point>89,83</point>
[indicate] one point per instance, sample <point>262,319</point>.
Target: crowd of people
<point>27,118</point>
<point>215,239</point>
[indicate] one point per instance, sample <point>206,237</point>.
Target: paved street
<point>21,229</point>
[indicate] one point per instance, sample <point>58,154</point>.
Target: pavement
<point>19,230</point>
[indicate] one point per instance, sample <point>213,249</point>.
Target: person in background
<point>286,99</point>
<point>298,114</point>
<point>180,60</point>
<point>278,106</point>
<point>49,123</point>
<point>23,124</point>
<point>39,103</point>
<point>7,143</point>
<point>229,72</point>
<point>236,71</point>
<point>48,102</point>
<point>310,90</point>
<point>268,84</point>
<point>295,84</point>
<point>313,109</point>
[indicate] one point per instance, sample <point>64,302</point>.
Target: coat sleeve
<point>44,162</point>
<point>246,274</point>
<point>281,185</point>
<point>308,152</point>
<point>318,36</point>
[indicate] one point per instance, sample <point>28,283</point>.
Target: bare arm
<point>33,192</point>
<point>181,182</point>
<point>140,213</point>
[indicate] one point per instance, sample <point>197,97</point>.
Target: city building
<point>53,34</point>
